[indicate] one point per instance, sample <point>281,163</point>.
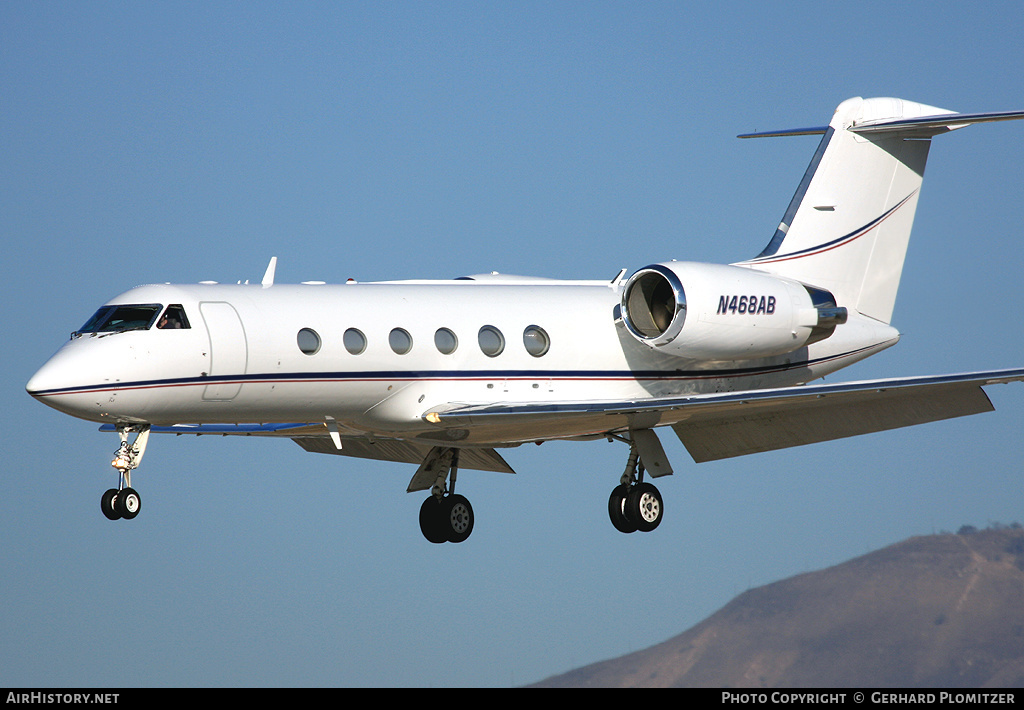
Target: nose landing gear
<point>124,501</point>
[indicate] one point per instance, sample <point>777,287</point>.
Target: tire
<point>128,503</point>
<point>431,521</point>
<point>616,510</point>
<point>458,518</point>
<point>108,504</point>
<point>644,507</point>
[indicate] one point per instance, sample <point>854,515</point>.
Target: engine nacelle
<point>715,312</point>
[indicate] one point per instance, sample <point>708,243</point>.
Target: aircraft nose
<point>54,383</point>
<point>83,376</point>
<point>46,379</point>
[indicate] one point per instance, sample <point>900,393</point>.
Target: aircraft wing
<point>315,437</point>
<point>402,451</point>
<point>723,425</point>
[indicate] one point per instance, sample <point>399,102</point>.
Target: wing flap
<point>809,420</point>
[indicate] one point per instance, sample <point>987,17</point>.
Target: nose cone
<point>50,378</point>
<point>62,381</point>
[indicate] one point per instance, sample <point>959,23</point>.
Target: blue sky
<point>153,142</point>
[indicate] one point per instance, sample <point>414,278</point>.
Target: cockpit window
<point>174,318</point>
<point>92,325</point>
<point>116,319</point>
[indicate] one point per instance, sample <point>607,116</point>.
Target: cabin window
<point>308,341</point>
<point>174,318</point>
<point>116,319</point>
<point>445,341</point>
<point>536,340</point>
<point>400,341</point>
<point>355,341</point>
<point>492,342</point>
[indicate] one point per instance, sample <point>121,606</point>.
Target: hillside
<point>940,611</point>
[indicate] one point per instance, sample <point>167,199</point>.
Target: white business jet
<point>443,374</point>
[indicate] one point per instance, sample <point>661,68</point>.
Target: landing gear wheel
<point>431,521</point>
<point>128,503</point>
<point>644,507</point>
<point>458,518</point>
<point>108,504</point>
<point>449,519</point>
<point>617,509</point>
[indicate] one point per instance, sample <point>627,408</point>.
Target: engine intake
<point>725,312</point>
<point>654,302</point>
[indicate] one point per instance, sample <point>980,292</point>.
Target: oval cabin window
<point>400,341</point>
<point>309,341</point>
<point>355,341</point>
<point>445,341</point>
<point>536,340</point>
<point>492,342</point>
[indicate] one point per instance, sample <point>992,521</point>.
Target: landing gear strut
<point>124,501</point>
<point>446,516</point>
<point>635,505</point>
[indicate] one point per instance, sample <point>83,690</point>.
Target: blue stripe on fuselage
<point>445,375</point>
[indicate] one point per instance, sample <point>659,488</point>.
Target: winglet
<point>268,277</point>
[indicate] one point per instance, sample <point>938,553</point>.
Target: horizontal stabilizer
<point>923,125</point>
<point>931,125</point>
<point>786,132</point>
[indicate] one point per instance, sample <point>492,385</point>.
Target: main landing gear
<point>446,516</point>
<point>124,501</point>
<point>635,505</point>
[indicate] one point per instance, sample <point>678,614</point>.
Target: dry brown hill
<point>938,611</point>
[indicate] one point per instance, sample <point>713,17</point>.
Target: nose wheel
<point>124,501</point>
<point>120,503</point>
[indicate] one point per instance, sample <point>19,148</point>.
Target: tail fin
<point>848,225</point>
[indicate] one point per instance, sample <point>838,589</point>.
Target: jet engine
<point>714,312</point>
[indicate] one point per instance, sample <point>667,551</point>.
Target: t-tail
<point>848,225</point>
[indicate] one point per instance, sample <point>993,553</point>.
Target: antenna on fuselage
<point>268,277</point>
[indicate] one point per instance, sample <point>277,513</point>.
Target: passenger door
<point>228,350</point>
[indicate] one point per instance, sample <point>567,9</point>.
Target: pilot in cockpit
<point>172,319</point>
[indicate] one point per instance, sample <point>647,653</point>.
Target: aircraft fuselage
<point>310,352</point>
